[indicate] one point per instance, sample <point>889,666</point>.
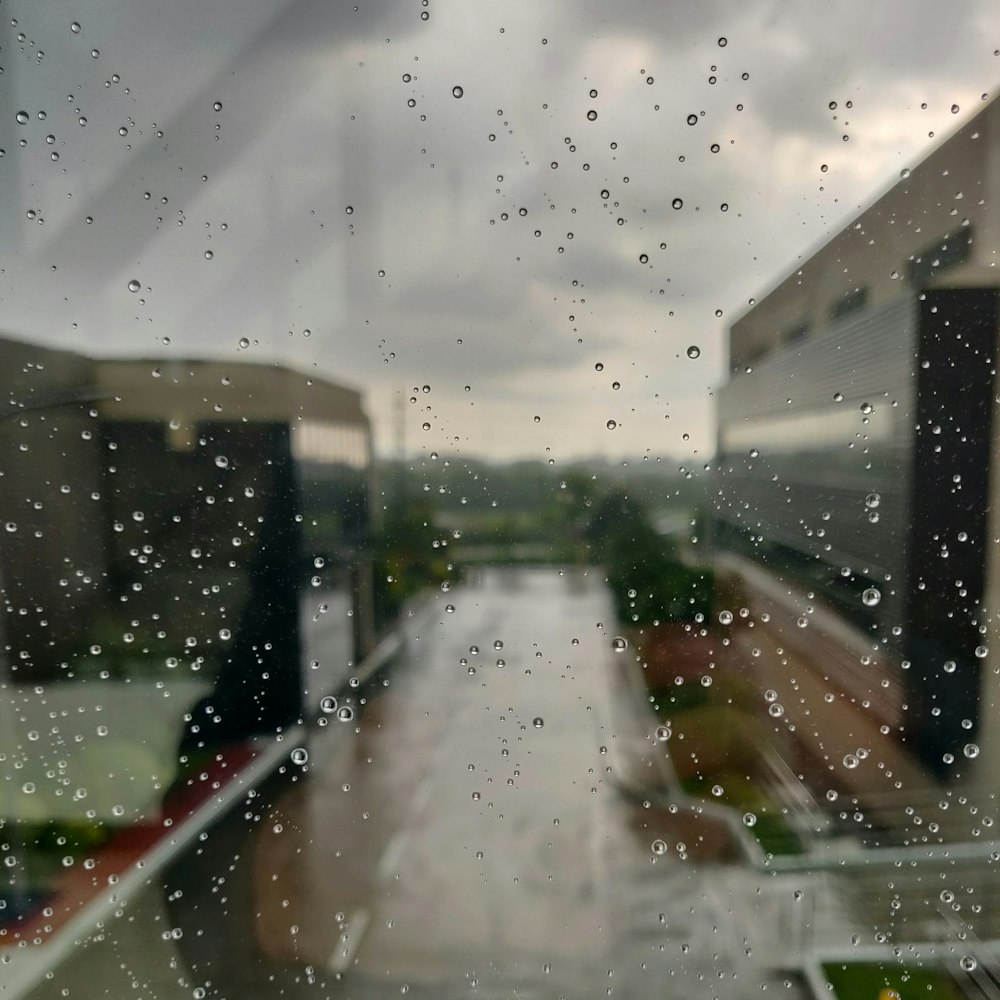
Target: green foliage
<point>648,580</point>
<point>405,560</point>
<point>871,981</point>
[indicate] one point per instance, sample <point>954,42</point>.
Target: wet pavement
<point>465,835</point>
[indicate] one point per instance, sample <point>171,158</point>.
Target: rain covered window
<point>499,500</point>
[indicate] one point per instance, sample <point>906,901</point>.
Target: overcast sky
<point>363,219</point>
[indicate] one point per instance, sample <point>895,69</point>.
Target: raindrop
<point>538,722</point>
<point>611,425</point>
<point>592,115</point>
<point>726,617</point>
<point>971,750</point>
<point>723,42</point>
<point>300,755</point>
<point>677,204</point>
<point>967,962</point>
<point>659,846</point>
<point>217,106</point>
<point>133,285</point>
<point>872,501</point>
<point>328,704</point>
<point>692,119</point>
<point>23,117</point>
<point>222,462</point>
<point>871,597</point>
<point>244,343</point>
<point>850,761</point>
<point>75,27</point>
<point>694,352</point>
<point>663,733</point>
<point>345,713</point>
<point>457,91</point>
<point>498,645</point>
<point>749,819</point>
<point>619,644</point>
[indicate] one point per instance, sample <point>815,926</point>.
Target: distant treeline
<point>470,485</point>
<point>633,518</point>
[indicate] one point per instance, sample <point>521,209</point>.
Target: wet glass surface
<point>498,502</point>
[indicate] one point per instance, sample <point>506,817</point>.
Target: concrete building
<point>858,445</point>
<point>191,531</point>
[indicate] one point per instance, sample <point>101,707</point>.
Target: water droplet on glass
<point>75,27</point>
<point>749,819</point>
<point>619,644</point>
<point>300,755</point>
<point>134,286</point>
<point>659,846</point>
<point>222,462</point>
<point>971,750</point>
<point>850,761</point>
<point>592,115</point>
<point>663,734</point>
<point>677,204</point>
<point>538,722</point>
<point>611,425</point>
<point>726,617</point>
<point>345,713</point>
<point>457,91</point>
<point>694,352</point>
<point>23,117</point>
<point>871,597</point>
<point>872,501</point>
